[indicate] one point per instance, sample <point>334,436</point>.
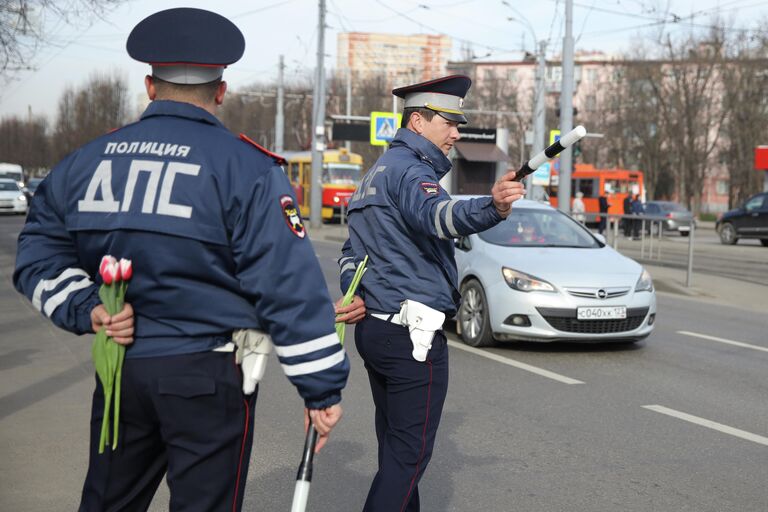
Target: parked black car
<point>750,220</point>
<point>676,216</point>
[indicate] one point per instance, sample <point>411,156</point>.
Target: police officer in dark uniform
<point>405,223</point>
<point>205,216</point>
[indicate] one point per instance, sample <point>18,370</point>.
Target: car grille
<point>565,320</point>
<point>6,203</point>
<point>592,293</point>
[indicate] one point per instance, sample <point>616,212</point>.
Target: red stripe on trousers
<point>423,440</point>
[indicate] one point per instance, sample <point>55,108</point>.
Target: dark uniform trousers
<point>409,397</point>
<point>186,415</point>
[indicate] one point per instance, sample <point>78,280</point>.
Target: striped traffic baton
<point>551,152</point>
<point>304,475</point>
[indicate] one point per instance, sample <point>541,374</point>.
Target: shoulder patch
<point>430,187</point>
<point>292,216</point>
<point>280,160</point>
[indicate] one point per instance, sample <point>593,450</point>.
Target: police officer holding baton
<point>208,219</point>
<point>405,223</point>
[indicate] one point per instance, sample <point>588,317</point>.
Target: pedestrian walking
<point>627,222</point>
<point>208,220</point>
<point>637,209</point>
<point>406,223</point>
<point>603,206</point>
<point>577,208</point>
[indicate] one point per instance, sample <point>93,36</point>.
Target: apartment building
<point>401,59</point>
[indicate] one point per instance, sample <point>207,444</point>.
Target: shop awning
<point>480,152</point>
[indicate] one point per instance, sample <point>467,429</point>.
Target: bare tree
<point>92,110</point>
<point>23,25</point>
<point>25,142</point>
<point>744,86</point>
<point>689,98</point>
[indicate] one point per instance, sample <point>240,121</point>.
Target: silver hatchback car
<point>541,276</point>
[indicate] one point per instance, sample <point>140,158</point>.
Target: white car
<point>12,198</point>
<point>542,276</point>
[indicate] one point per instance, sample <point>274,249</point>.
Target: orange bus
<point>342,171</point>
<point>615,183</point>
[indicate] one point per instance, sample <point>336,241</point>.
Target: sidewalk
<point>707,288</point>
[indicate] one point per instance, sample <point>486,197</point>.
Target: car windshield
<point>341,174</point>
<point>539,228</point>
<point>8,185</point>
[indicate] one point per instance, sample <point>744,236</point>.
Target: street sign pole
<point>318,128</point>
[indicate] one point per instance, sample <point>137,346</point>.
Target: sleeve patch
<point>292,216</point>
<point>430,188</point>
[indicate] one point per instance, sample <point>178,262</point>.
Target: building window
<point>512,75</point>
<point>592,75</point>
<point>590,103</point>
<point>489,74</point>
<point>722,187</point>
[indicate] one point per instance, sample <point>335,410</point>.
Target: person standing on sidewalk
<point>205,218</point>
<point>637,209</point>
<point>403,220</point>
<point>603,206</point>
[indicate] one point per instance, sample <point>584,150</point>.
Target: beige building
<point>401,59</point>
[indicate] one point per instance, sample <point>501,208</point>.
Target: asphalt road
<point>676,423</point>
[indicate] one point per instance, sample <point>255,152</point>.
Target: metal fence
<point>651,234</point>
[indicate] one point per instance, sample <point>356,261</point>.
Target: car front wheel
<point>474,318</point>
<point>764,241</point>
<point>728,234</point>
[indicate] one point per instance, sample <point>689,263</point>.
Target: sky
<point>493,29</point>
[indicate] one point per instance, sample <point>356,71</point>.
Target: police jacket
<point>405,223</point>
<point>210,224</point>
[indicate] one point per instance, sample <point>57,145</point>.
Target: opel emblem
<point>601,294</point>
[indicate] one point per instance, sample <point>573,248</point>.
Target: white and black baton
<point>551,152</point>
<point>304,475</point>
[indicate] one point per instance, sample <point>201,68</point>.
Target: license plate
<point>602,313</point>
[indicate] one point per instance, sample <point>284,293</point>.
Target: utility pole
<point>279,119</point>
<point>539,117</point>
<point>318,127</point>
<point>566,113</point>
<point>348,144</point>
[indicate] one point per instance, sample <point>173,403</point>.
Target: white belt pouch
<point>422,322</point>
<point>253,347</point>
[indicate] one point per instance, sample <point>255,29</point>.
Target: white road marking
<point>743,434</point>
<point>517,364</point>
<point>723,340</point>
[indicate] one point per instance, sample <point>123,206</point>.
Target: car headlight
<point>525,283</point>
<point>644,282</point>
<point>22,198</point>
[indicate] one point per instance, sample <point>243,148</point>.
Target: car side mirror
<point>600,238</point>
<point>462,243</point>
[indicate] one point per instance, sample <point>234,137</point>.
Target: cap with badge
<point>443,95</point>
<point>186,45</point>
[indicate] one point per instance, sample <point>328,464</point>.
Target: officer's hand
<point>352,313</point>
<point>119,326</point>
<point>324,420</point>
<point>505,192</point>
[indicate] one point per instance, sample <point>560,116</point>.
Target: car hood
<point>9,194</point>
<point>731,213</point>
<point>569,267</point>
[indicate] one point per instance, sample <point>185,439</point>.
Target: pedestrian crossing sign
<point>383,127</point>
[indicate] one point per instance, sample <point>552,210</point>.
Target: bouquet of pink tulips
<point>107,355</point>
